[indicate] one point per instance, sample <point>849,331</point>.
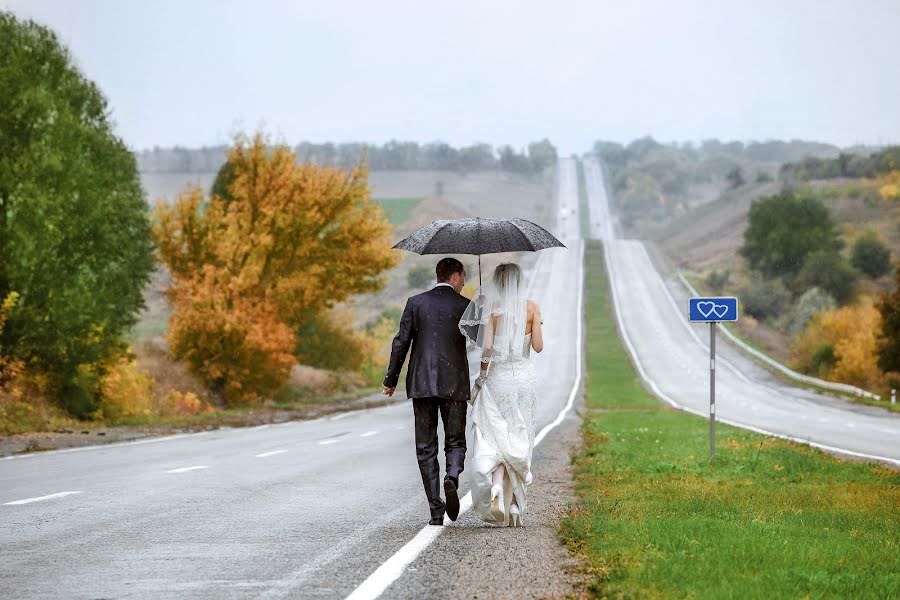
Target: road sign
<point>713,310</point>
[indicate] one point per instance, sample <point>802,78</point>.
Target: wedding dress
<point>503,415</point>
<point>503,421</point>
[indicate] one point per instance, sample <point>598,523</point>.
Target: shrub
<point>717,280</point>
<point>764,298</point>
<point>871,256</point>
<point>420,276</point>
<point>813,301</point>
<point>125,391</point>
<point>830,272</point>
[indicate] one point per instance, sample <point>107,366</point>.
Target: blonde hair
<point>507,270</point>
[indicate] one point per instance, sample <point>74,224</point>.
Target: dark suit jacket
<point>438,366</point>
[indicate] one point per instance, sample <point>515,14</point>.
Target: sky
<point>195,72</point>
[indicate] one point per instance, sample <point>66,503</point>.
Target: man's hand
<point>389,391</point>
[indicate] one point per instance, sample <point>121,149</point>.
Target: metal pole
<point>893,396</point>
<point>712,392</point>
<point>479,271</point>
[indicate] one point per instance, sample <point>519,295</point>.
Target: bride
<point>505,326</point>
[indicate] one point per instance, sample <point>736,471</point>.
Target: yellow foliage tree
<point>287,243</point>
<point>848,336</point>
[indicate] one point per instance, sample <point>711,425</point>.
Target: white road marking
<point>393,568</point>
<point>186,469</point>
<point>340,416</point>
<point>39,498</point>
<point>326,442</point>
<point>272,453</point>
<point>368,433</point>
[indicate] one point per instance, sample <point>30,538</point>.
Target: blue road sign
<point>713,310</point>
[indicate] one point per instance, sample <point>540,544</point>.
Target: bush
<point>329,341</point>
<point>813,301</point>
<point>125,391</point>
<point>871,256</point>
<point>764,298</point>
<point>717,280</point>
<point>830,272</point>
<point>420,276</point>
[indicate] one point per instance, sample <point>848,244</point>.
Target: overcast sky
<point>193,72</point>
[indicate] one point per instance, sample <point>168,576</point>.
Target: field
<point>770,519</point>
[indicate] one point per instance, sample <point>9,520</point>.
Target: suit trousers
<point>453,416</point>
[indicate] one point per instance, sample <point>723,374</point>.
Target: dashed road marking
<point>272,453</point>
<point>39,498</point>
<point>186,469</point>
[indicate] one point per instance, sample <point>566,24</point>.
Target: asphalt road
<point>301,509</point>
<point>674,354</point>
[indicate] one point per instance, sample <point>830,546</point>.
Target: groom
<point>437,381</point>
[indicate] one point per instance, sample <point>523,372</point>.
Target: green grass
<point>770,519</point>
<point>583,208</point>
<point>398,210</point>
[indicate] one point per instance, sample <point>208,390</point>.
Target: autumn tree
<point>841,345</point>
<point>253,267</point>
<point>75,241</point>
<point>889,341</point>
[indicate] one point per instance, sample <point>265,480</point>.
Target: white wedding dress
<point>503,421</point>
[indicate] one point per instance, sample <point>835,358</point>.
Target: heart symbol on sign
<point>706,308</point>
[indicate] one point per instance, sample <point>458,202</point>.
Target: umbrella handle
<point>479,271</point>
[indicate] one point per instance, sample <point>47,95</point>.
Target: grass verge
<point>770,519</point>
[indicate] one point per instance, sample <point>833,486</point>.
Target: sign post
<point>713,311</point>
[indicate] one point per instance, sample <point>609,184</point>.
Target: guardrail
<point>829,385</point>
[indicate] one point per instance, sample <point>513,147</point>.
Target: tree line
<point>393,155</point>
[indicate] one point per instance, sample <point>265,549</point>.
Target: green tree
<point>888,345</point>
<point>735,178</point>
<point>871,256</point>
<point>542,155</point>
<point>784,229</point>
<point>74,229</point>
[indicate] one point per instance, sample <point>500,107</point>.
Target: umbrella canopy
<point>479,236</point>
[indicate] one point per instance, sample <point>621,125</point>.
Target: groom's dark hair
<point>447,267</point>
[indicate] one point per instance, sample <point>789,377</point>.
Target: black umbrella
<point>479,236</point>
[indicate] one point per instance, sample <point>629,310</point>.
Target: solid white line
<point>368,433</point>
<point>186,469</point>
<point>659,393</point>
<point>272,453</point>
<point>39,498</point>
<point>153,440</point>
<point>393,568</point>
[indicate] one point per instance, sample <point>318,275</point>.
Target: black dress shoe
<point>436,521</point>
<point>452,498</point>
